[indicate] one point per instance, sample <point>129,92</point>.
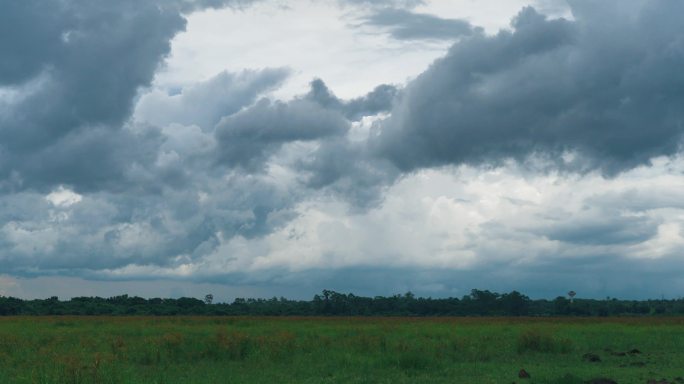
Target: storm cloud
<point>603,86</point>
<point>73,69</point>
<point>406,25</point>
<point>536,158</point>
<point>379,100</point>
<point>247,138</point>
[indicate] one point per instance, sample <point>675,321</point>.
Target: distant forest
<point>331,303</point>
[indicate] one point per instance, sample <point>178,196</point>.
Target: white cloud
<point>467,218</point>
<point>492,15</point>
<point>63,197</point>
<point>314,39</point>
<point>29,239</point>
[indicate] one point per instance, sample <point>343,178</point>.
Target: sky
<point>278,148</point>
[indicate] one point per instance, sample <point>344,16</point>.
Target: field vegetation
<point>93,349</point>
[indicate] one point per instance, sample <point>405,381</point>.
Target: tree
<point>208,299</point>
<point>561,306</point>
<point>515,303</point>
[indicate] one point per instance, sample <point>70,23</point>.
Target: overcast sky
<point>277,148</point>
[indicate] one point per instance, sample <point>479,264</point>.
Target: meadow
<point>339,350</point>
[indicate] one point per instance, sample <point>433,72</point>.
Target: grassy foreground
<point>337,350</point>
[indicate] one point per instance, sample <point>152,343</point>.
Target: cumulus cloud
<point>62,197</point>
<point>447,230</point>
<point>204,104</point>
<point>406,25</point>
<point>549,86</point>
<point>462,177</point>
<point>55,233</point>
<point>379,100</point>
<point>75,68</point>
<point>247,138</point>
<point>348,170</point>
<point>84,187</point>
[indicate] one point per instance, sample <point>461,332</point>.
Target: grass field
<point>337,350</point>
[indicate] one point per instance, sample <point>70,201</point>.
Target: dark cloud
<point>606,87</point>
<point>31,35</point>
<point>77,67</point>
<point>115,230</point>
<point>348,170</point>
<point>342,166</point>
<point>248,138</point>
<point>608,276</point>
<point>596,277</point>
<point>381,99</point>
<point>91,159</point>
<point>609,229</point>
<point>74,69</point>
<point>406,25</point>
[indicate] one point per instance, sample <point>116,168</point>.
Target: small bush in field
<point>537,341</point>
<point>415,360</point>
<point>118,346</point>
<point>569,379</point>
<point>236,345</point>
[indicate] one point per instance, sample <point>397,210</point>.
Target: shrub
<point>236,345</point>
<point>569,379</point>
<point>534,340</point>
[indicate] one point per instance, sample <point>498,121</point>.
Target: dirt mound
<point>591,357</point>
<point>523,374</point>
<point>601,380</point>
<point>665,381</point>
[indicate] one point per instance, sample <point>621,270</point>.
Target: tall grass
<point>536,340</point>
<point>332,350</point>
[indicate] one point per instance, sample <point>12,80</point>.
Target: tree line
<point>331,303</point>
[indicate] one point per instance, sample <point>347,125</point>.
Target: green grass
<point>336,350</point>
